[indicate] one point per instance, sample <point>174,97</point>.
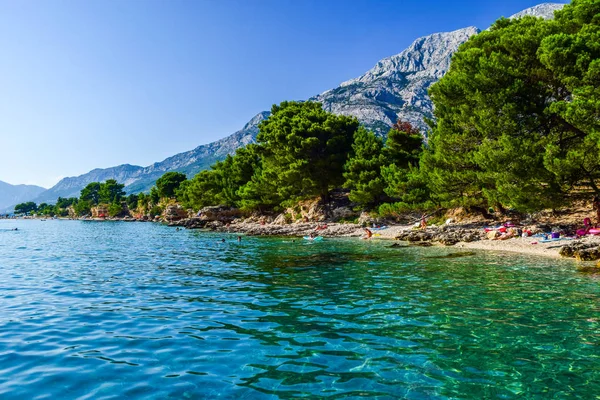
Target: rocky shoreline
<point>469,236</point>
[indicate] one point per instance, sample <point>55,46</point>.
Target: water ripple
<point>118,310</point>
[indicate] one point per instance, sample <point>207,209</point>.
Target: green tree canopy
<point>132,201</point>
<point>363,169</point>
<point>91,193</point>
<point>83,208</point>
<point>26,208</point>
<point>154,195</point>
<point>500,136</point>
<point>204,190</point>
<point>64,203</point>
<point>404,145</point>
<point>304,149</point>
<point>572,54</point>
<point>111,191</point>
<point>169,183</point>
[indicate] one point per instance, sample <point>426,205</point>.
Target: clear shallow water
<point>131,310</point>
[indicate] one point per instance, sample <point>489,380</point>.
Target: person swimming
<point>239,238</point>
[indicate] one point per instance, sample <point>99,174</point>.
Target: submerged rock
<point>571,249</point>
<point>455,255</point>
<point>421,244</point>
<point>590,254</point>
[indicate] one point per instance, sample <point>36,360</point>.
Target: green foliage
<point>304,149</point>
<point>168,184</point>
<point>91,193</point>
<point>46,209</point>
<point>111,191</point>
<point>404,145</point>
<point>154,196</point>
<point>182,194</point>
<point>26,208</point>
<point>572,54</point>
<point>204,189</point>
<point>83,208</point>
<point>64,203</point>
<point>363,169</point>
<point>132,201</point>
<point>142,203</point>
<point>155,210</point>
<point>115,209</point>
<point>512,127</point>
<point>402,176</point>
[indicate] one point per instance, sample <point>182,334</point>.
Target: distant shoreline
<point>519,245</point>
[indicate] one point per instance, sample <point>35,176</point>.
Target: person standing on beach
<point>424,222</point>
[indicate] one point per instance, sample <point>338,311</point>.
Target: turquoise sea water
<point>130,310</point>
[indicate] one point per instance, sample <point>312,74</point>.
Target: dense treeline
<point>304,152</point>
<point>517,125</point>
<point>517,115</point>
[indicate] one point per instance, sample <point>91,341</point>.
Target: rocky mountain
<point>71,187</point>
<point>15,194</point>
<point>395,88</point>
<point>545,10</point>
<point>139,179</point>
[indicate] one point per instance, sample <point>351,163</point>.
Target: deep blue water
<point>131,310</point>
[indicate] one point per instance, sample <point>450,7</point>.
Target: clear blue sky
<point>93,84</point>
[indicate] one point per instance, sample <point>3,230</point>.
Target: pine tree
<point>363,169</point>
<point>304,149</point>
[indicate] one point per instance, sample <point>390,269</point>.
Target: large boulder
<point>590,254</point>
<point>174,212</point>
<point>415,236</point>
<point>571,249</point>
<point>219,213</point>
<point>339,213</point>
<point>100,211</point>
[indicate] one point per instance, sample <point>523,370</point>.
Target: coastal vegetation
<point>517,126</point>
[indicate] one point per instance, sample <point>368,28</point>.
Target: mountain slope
<point>545,10</point>
<point>15,194</point>
<point>138,179</point>
<point>395,88</point>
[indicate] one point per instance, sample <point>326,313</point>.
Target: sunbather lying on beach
<point>510,233</point>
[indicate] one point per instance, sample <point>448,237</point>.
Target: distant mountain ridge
<point>15,194</point>
<point>139,179</point>
<point>395,88</point>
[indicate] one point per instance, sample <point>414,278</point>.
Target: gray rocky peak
<point>545,10</point>
<point>396,88</point>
